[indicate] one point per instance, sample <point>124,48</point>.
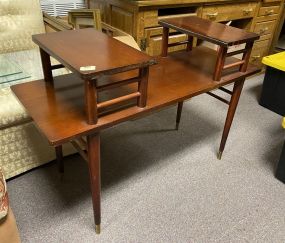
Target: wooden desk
<point>58,108</point>
<point>140,19</point>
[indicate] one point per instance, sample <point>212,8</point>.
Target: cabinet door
<point>122,19</point>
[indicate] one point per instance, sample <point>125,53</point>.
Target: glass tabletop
<point>10,71</point>
<point>8,67</point>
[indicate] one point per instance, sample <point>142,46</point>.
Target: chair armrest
<point>55,24</point>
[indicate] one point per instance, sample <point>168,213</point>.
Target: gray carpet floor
<point>162,185</point>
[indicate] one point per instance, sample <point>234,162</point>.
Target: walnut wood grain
<point>213,32</point>
<point>72,49</point>
<point>177,77</point>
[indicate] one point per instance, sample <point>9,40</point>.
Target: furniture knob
<point>212,16</point>
<point>256,57</point>
<point>247,11</point>
<point>262,31</point>
<point>268,12</point>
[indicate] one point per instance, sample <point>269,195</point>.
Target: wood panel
<point>122,19</point>
<point>99,4</point>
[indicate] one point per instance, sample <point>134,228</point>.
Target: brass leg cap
<point>97,229</point>
<point>177,126</point>
<point>220,153</point>
<point>61,176</point>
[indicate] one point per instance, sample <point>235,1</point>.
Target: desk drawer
<point>259,50</point>
<point>228,12</point>
<point>154,44</point>
<point>267,11</point>
<point>265,28</point>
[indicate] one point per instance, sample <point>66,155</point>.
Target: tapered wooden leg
<point>59,158</point>
<point>178,115</point>
<point>93,144</point>
<point>231,112</point>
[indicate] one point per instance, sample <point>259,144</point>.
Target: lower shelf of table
<point>59,110</point>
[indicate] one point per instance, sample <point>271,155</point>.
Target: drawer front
<point>265,37</point>
<point>266,18</point>
<point>260,49</point>
<point>264,28</point>
<point>267,11</point>
<point>154,44</point>
<point>229,11</point>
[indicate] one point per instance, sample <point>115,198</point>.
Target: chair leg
<point>59,159</point>
<point>178,115</point>
<point>231,112</point>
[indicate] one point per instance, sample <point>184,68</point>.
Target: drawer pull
<point>256,57</point>
<point>212,16</point>
<point>247,11</point>
<point>269,12</point>
<point>262,31</point>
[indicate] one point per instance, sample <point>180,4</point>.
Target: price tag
<point>88,68</point>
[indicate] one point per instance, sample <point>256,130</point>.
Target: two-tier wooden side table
<point>57,107</point>
<point>91,54</point>
<point>224,37</point>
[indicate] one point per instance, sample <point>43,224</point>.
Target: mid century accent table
<point>58,106</point>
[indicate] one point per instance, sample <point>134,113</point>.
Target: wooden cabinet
<point>140,19</point>
<point>265,24</point>
<point>278,43</point>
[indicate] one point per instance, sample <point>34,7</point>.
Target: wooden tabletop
<point>60,114</point>
<point>89,47</point>
<point>213,32</point>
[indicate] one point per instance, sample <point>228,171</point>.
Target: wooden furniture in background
<point>279,33</point>
<point>140,19</point>
<point>53,24</point>
<point>83,18</point>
